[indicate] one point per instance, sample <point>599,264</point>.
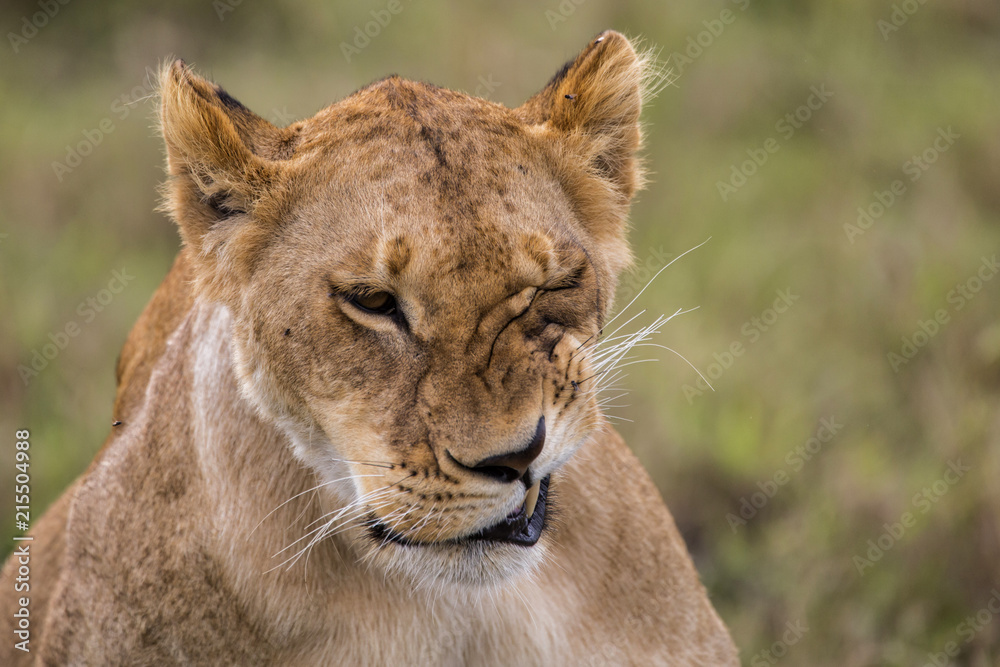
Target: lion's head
<point>416,279</point>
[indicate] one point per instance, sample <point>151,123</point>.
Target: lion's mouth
<point>522,527</point>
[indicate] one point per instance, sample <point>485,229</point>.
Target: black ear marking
<point>219,203</point>
<point>229,101</point>
<point>288,332</point>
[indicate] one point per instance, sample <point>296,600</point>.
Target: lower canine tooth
<point>531,498</point>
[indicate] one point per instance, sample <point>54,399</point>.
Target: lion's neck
<point>263,495</point>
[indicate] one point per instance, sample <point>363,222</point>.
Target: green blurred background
<point>885,81</point>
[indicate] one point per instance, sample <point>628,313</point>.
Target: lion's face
<point>421,327</point>
<point>417,279</point>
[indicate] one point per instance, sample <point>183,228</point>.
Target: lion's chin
<point>471,564</point>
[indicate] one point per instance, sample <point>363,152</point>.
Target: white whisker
<point>315,488</point>
<point>654,278</point>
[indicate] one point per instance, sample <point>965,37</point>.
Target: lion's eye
<point>380,303</point>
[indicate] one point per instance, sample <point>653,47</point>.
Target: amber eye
<point>379,303</point>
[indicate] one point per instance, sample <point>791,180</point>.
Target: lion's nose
<point>511,466</point>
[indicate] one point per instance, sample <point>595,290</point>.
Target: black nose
<point>511,467</point>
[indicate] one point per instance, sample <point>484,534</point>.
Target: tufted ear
<point>590,112</point>
<point>223,180</point>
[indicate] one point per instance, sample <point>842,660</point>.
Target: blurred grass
<point>824,357</point>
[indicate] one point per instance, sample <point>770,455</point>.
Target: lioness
<point>359,422</point>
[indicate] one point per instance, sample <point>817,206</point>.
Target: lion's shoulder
<point>147,340</point>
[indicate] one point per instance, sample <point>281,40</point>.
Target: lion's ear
<point>221,175</point>
<point>590,110</point>
<point>597,98</point>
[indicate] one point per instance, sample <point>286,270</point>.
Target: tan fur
<point>258,402</point>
